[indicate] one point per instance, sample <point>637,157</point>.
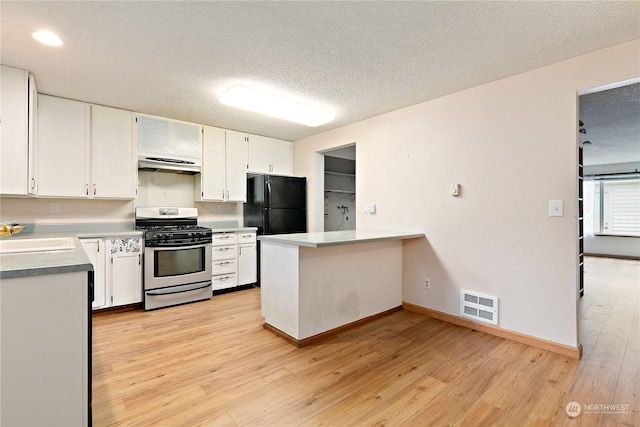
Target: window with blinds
<point>617,207</point>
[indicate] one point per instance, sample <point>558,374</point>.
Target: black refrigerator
<point>276,205</point>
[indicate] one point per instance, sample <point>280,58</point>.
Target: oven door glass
<point>177,262</point>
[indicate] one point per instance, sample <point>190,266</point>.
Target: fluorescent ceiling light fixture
<point>47,38</point>
<point>243,97</point>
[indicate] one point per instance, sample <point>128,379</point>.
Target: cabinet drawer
<point>223,239</point>
<point>224,252</point>
<point>223,266</point>
<point>246,237</point>
<point>224,281</point>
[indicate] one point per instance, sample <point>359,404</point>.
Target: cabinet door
<point>113,157</point>
<point>124,272</point>
<point>259,156</point>
<point>63,147</point>
<point>269,155</point>
<point>33,137</point>
<point>236,166</point>
<point>247,264</point>
<point>14,132</point>
<point>212,182</point>
<point>95,251</point>
<point>280,157</point>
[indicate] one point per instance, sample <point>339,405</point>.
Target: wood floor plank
<point>212,364</point>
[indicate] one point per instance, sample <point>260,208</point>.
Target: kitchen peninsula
<point>316,284</point>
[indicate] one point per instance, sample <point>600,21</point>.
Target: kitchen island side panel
<point>45,342</point>
<point>343,284</point>
<point>280,286</point>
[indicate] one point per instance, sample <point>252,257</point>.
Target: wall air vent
<point>483,308</point>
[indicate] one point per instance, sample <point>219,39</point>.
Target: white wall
<point>512,146</point>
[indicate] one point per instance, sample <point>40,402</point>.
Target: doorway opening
<point>608,183</point>
<point>339,204</point>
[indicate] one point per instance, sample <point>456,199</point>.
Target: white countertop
<point>337,238</point>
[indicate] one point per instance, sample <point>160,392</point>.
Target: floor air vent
<point>483,308</point>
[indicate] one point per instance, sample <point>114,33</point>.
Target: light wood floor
<point>212,364</point>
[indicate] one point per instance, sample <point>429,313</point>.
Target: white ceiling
<point>173,58</point>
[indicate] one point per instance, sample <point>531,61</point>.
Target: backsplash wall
<point>154,189</point>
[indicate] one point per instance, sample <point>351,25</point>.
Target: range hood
<point>163,164</point>
<point>166,145</point>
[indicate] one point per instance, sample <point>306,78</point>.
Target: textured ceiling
<point>611,119</point>
<point>362,59</point>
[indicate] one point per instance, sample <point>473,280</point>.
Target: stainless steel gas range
<point>177,256</point>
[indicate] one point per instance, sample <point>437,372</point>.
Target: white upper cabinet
<point>223,175</point>
<point>84,151</point>
<point>17,105</point>
<point>113,155</point>
<point>236,166</point>
<point>63,147</point>
<point>210,185</point>
<point>269,155</point>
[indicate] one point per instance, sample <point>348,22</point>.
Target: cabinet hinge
<point>111,260</point>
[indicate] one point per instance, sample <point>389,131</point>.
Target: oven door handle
<point>169,292</point>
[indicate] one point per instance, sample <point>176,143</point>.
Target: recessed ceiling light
<point>246,98</point>
<point>47,38</point>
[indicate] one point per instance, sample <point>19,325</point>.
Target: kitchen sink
<point>36,245</point>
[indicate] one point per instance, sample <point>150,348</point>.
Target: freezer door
<point>283,221</point>
<point>285,192</point>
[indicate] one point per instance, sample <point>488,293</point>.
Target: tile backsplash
<point>165,189</point>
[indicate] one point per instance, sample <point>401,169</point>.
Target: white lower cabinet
<point>224,254</point>
<point>117,262</point>
<point>247,258</point>
<point>95,251</point>
<point>124,271</point>
<point>235,262</point>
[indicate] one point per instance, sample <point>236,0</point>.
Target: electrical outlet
<point>427,283</point>
<point>55,207</point>
<point>220,209</point>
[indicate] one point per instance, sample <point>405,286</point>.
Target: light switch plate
<point>556,208</point>
<point>369,208</point>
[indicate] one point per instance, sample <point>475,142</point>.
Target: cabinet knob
<point>94,189</point>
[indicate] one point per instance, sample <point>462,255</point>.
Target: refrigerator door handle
<point>267,197</point>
